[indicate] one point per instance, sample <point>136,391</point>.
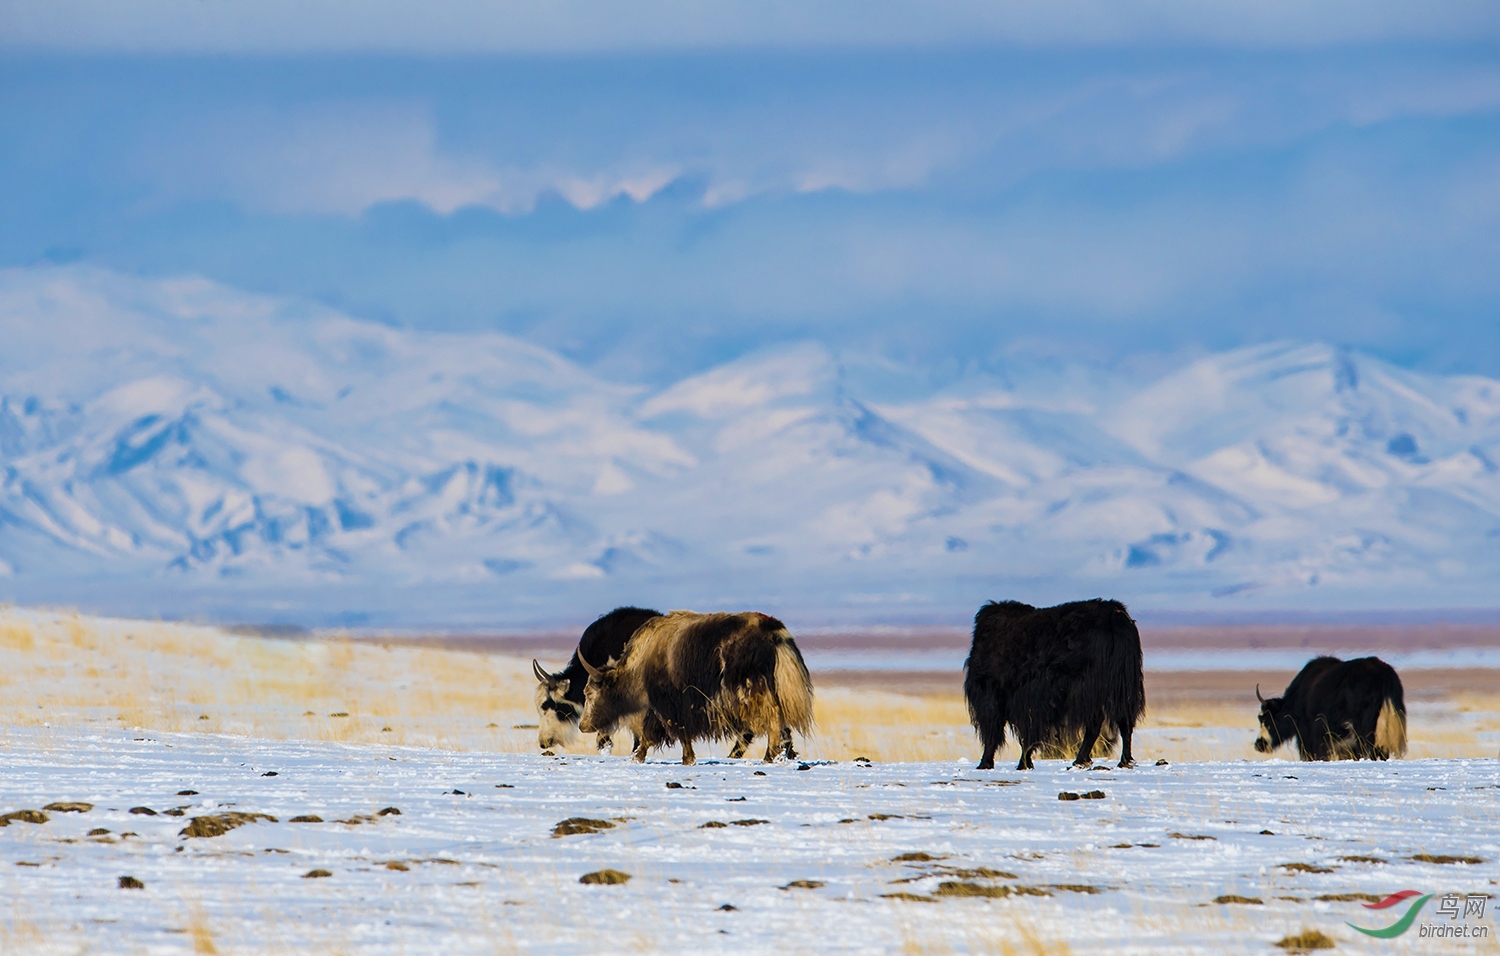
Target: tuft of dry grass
<point>1446,858</point>
<point>1306,941</point>
<point>574,826</point>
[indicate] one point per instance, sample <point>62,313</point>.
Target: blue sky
<point>655,188</point>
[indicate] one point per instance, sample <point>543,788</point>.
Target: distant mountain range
<point>185,449</point>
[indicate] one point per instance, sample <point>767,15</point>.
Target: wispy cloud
<point>653,214</point>
<point>343,157</point>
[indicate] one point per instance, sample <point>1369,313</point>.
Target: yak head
<point>556,716</point>
<point>607,699</point>
<point>1276,726</point>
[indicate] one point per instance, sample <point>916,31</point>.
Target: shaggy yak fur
<point>705,676</point>
<point>559,697</point>
<point>1338,710</point>
<point>1059,676</point>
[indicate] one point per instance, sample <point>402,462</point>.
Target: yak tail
<point>794,690</point>
<point>1390,729</point>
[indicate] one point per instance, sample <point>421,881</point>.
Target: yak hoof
<point>1127,764</point>
<point>1083,764</point>
<point>986,765</point>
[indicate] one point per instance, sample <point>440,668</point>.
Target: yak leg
<point>653,734</point>
<point>742,744</point>
<point>604,744</point>
<point>1127,727</point>
<point>993,738</point>
<point>776,734</point>
<point>786,743</point>
<point>1027,746</point>
<point>688,757</point>
<point>1085,756</point>
<point>774,742</point>
<point>987,761</point>
<point>987,714</point>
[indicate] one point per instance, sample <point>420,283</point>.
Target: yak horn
<point>1258,695</point>
<point>592,670</point>
<point>541,675</point>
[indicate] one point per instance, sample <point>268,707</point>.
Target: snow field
<point>111,713</point>
<point>806,858</point>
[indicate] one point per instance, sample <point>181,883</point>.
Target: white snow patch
<point>471,857</point>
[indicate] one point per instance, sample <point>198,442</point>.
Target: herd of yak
<point>1066,679</point>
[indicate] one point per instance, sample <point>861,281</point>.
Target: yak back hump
<point>604,639</point>
<point>1013,639</point>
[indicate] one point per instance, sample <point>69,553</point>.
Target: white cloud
<point>342,158</point>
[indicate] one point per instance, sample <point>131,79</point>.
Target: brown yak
<point>704,676</point>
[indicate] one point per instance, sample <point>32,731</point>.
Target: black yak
<point>559,697</point>
<point>1337,710</point>
<point>705,676</point>
<point>1064,673</point>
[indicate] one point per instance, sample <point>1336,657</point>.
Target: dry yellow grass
<point>887,726</point>
<point>65,670</point>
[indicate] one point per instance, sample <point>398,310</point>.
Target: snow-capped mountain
<point>183,448</point>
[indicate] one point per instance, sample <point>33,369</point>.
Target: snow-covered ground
<point>739,858</point>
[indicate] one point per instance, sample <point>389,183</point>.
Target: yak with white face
<point>559,697</point>
<point>704,676</point>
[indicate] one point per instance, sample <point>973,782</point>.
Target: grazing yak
<point>1055,675</point>
<point>559,697</point>
<point>705,676</point>
<point>1337,710</point>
